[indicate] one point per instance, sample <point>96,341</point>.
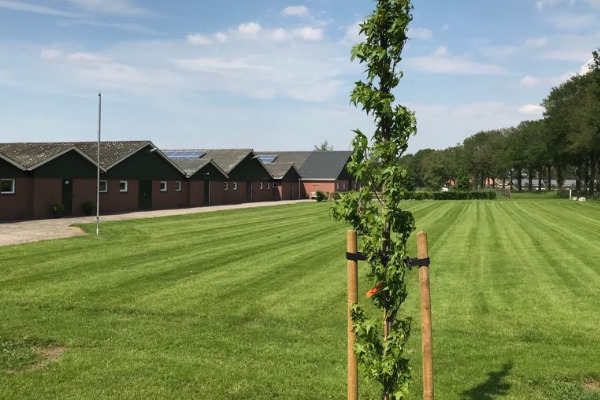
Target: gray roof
<point>325,164</point>
<point>296,157</point>
<point>32,155</point>
<point>112,153</point>
<point>226,159</point>
<point>192,165</point>
<point>279,170</point>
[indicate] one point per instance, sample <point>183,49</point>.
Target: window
<point>178,186</point>
<point>123,186</point>
<point>103,187</point>
<point>260,186</point>
<point>268,185</point>
<point>274,185</point>
<point>234,186</point>
<point>344,185</point>
<point>7,186</point>
<point>225,185</point>
<point>163,186</point>
<point>337,186</point>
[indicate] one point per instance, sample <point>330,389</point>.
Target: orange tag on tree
<point>374,290</point>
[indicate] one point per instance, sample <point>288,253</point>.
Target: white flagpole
<point>98,166</point>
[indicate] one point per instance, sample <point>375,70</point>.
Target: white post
<point>98,166</point>
<point>570,194</point>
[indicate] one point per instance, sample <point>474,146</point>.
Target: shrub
<point>57,209</point>
<point>452,195</point>
<point>334,196</point>
<point>88,207</point>
<point>321,195</point>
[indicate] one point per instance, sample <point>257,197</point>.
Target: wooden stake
<point>352,299</point>
<point>426,337</point>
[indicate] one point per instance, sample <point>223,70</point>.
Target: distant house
<point>326,171</point>
<point>135,175</point>
<point>204,177</point>
<point>286,181</point>
<point>247,177</point>
<point>319,170</point>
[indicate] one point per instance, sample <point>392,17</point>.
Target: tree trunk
<point>593,163</point>
<point>560,179</point>
<point>530,178</point>
<point>540,181</point>
<point>549,170</point>
<point>511,179</point>
<point>520,179</point>
<point>587,175</point>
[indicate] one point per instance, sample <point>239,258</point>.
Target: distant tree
<point>462,181</point>
<point>325,146</point>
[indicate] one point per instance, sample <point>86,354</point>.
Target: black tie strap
<point>411,262</point>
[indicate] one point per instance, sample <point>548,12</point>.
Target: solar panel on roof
<point>184,153</point>
<point>267,159</point>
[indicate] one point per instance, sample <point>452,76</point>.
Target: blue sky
<point>275,75</point>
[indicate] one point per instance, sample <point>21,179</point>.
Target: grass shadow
<point>493,387</point>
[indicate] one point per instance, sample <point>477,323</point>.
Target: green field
<point>250,304</point>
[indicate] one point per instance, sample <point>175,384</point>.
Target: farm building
<point>319,170</point>
<point>136,175</point>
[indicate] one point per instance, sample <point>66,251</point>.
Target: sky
<point>275,75</point>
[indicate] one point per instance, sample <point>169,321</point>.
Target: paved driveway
<point>46,229</point>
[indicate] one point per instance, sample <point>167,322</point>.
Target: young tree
<point>383,226</point>
<point>325,146</point>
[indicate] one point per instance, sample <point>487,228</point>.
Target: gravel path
<point>46,229</point>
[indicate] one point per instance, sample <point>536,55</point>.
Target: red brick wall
<point>217,195</point>
<point>325,186</point>
<point>170,198</point>
<point>263,194</point>
<point>46,191</point>
<point>114,201</point>
<point>240,195</point>
<point>84,190</point>
<point>17,206</point>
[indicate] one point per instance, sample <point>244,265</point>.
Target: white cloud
<point>26,7</point>
<point>536,42</point>
<point>532,110</point>
<point>218,66</point>
<point>499,52</point>
<point>572,22</point>
<point>587,67</point>
<point>102,71</point>
<point>298,11</point>
<point>444,125</point>
<point>572,55</point>
<point>442,62</point>
<point>444,28</point>
<point>308,33</point>
<point>353,34</point>
<point>530,81</point>
<point>249,28</point>
<point>48,53</point>
<point>280,35</point>
<point>420,33</point>
<point>221,37</point>
<point>594,3</point>
<point>542,4</point>
<point>114,7</point>
<point>199,39</point>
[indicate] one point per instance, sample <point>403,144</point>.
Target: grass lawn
<point>250,304</point>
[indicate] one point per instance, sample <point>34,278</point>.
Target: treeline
<point>564,144</point>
